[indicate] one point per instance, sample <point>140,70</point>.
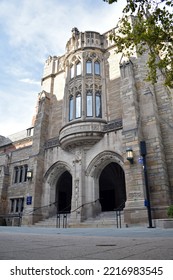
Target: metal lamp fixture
<point>129,153</point>
<point>29,174</point>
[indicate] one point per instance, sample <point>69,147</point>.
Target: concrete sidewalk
<point>85,243</point>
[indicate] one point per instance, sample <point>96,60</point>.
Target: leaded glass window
<point>89,67</point>
<point>72,72</point>
<point>78,69</point>
<point>97,68</point>
<point>89,103</point>
<point>71,101</point>
<point>78,105</point>
<point>98,105</point>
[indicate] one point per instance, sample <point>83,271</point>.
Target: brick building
<point>94,107</point>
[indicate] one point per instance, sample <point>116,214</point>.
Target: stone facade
<point>93,106</point>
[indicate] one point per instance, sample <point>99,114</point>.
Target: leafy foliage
<point>147,26</point>
<point>170,211</point>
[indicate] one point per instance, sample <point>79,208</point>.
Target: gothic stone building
<point>93,108</point>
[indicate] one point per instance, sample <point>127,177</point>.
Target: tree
<point>149,30</point>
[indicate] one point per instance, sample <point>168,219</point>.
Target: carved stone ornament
<point>42,95</point>
<point>101,160</point>
<point>135,195</point>
<point>55,171</point>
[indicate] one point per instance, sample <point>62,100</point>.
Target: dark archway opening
<point>64,193</point>
<point>112,188</point>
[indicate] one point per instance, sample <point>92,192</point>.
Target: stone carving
<point>55,171</point>
<point>135,195</point>
<point>42,95</point>
<point>113,125</point>
<point>103,159</point>
<point>52,143</point>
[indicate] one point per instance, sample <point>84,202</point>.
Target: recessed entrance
<point>112,189</point>
<point>64,193</point>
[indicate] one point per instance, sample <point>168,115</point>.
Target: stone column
<point>36,160</point>
<point>134,211</point>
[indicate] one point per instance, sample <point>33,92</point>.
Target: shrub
<point>170,211</point>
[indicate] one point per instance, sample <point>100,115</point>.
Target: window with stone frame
<point>98,105</point>
<point>71,107</point>
<point>89,103</point>
<point>16,205</point>
<point>78,68</point>
<point>97,68</point>
<point>78,107</point>
<point>20,173</point>
<point>72,72</point>
<point>89,67</point>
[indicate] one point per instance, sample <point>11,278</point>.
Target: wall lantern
<point>29,174</point>
<point>129,154</point>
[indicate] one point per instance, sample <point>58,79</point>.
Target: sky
<point>30,31</point>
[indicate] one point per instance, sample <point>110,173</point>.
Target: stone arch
<point>51,178</point>
<point>64,193</point>
<point>97,165</point>
<point>101,160</point>
<point>55,171</point>
<point>112,190</point>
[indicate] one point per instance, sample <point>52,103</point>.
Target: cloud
<point>31,30</point>
<point>30,81</point>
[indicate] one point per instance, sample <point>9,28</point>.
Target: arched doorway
<point>112,191</point>
<point>64,193</point>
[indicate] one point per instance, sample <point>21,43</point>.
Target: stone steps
<point>104,219</point>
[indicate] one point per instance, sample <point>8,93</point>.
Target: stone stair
<point>104,219</point>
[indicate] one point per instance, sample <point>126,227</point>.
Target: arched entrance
<point>64,193</point>
<point>112,191</point>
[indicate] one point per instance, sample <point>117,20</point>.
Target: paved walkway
<point>85,243</point>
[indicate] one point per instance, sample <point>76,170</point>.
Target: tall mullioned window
<point>96,68</point>
<point>71,102</point>
<point>72,72</point>
<point>20,173</point>
<point>88,67</point>
<point>16,205</point>
<point>89,104</point>
<point>78,69</point>
<point>78,105</point>
<point>98,107</point>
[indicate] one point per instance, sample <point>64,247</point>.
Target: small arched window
<point>71,102</point>
<point>89,67</point>
<point>78,105</point>
<point>96,68</point>
<point>78,69</point>
<point>98,105</point>
<point>89,104</point>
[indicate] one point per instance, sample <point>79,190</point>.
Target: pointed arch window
<point>89,67</point>
<point>89,104</point>
<point>71,105</point>
<point>98,107</point>
<point>96,68</point>
<point>78,105</point>
<point>78,69</point>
